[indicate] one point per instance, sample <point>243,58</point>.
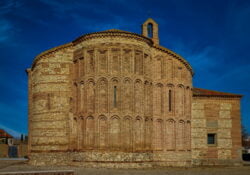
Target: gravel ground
<point>20,165</point>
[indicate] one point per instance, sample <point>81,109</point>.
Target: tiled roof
<point>211,93</point>
<point>4,134</point>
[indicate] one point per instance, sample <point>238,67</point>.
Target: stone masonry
<point>119,99</point>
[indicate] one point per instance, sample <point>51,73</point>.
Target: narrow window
<point>211,139</point>
<point>115,96</point>
<point>150,30</point>
<point>170,100</point>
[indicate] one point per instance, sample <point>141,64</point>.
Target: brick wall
<point>220,116</point>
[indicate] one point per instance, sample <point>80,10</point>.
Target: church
<point>118,99</point>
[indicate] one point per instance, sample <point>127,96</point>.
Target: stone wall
<point>112,159</point>
<point>49,101</point>
<point>220,116</point>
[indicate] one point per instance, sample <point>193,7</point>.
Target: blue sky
<point>214,36</point>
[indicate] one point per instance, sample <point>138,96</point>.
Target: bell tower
<point>150,30</point>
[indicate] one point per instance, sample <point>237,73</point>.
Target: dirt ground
<point>20,165</point>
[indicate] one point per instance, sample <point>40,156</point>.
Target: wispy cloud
<point>5,28</point>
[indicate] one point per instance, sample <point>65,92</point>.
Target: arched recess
<point>158,67</point>
<point>187,106</point>
<point>169,68</point>
<point>115,60</point>
<point>178,71</point>
<point>126,61</point>
<point>90,132</point>
<point>138,97</point>
<point>114,94</point>
<point>115,133</point>
<point>147,98</point>
<point>103,132</point>
<point>184,74</point>
<point>102,61</point>
<point>82,66</point>
<point>158,134</point>
<point>138,62</point>
<point>188,135</point>
<point>148,133</point>
<point>181,135</point>
<point>139,131</point>
<point>75,97</point>
<point>103,95</point>
<point>170,135</point>
<point>80,132</point>
<point>179,101</point>
<point>73,133</point>
<point>147,65</point>
<point>127,133</point>
<point>90,96</point>
<point>90,62</point>
<point>76,69</point>
<point>127,95</point>
<point>158,99</point>
<point>169,102</point>
<point>82,97</point>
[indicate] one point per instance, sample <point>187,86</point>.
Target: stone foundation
<point>111,159</point>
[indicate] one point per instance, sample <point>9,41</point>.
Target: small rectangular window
<point>114,96</point>
<point>211,139</point>
<point>169,100</point>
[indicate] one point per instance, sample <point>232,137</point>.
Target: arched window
<point>150,30</point>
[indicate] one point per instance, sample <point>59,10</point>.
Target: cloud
<point>7,6</point>
<point>5,28</point>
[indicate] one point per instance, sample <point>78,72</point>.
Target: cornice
<point>175,55</point>
<point>113,33</point>
<point>198,92</point>
<point>219,96</point>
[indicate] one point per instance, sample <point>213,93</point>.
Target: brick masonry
<point>115,98</point>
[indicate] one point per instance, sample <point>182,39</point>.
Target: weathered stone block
<point>227,123</point>
<point>224,133</point>
<point>198,123</point>
<point>224,143</point>
<point>224,154</point>
<point>199,143</point>
<point>197,106</point>
<point>225,114</point>
<point>198,113</point>
<point>226,106</point>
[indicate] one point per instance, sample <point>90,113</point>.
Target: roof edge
<point>110,31</point>
<point>184,61</point>
<point>47,52</point>
<point>199,92</point>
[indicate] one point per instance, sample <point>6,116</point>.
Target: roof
<point>4,134</point>
<point>197,92</point>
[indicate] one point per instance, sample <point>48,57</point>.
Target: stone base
<point>112,159</point>
<point>216,162</point>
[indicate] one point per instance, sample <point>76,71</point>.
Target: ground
<point>21,165</point>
